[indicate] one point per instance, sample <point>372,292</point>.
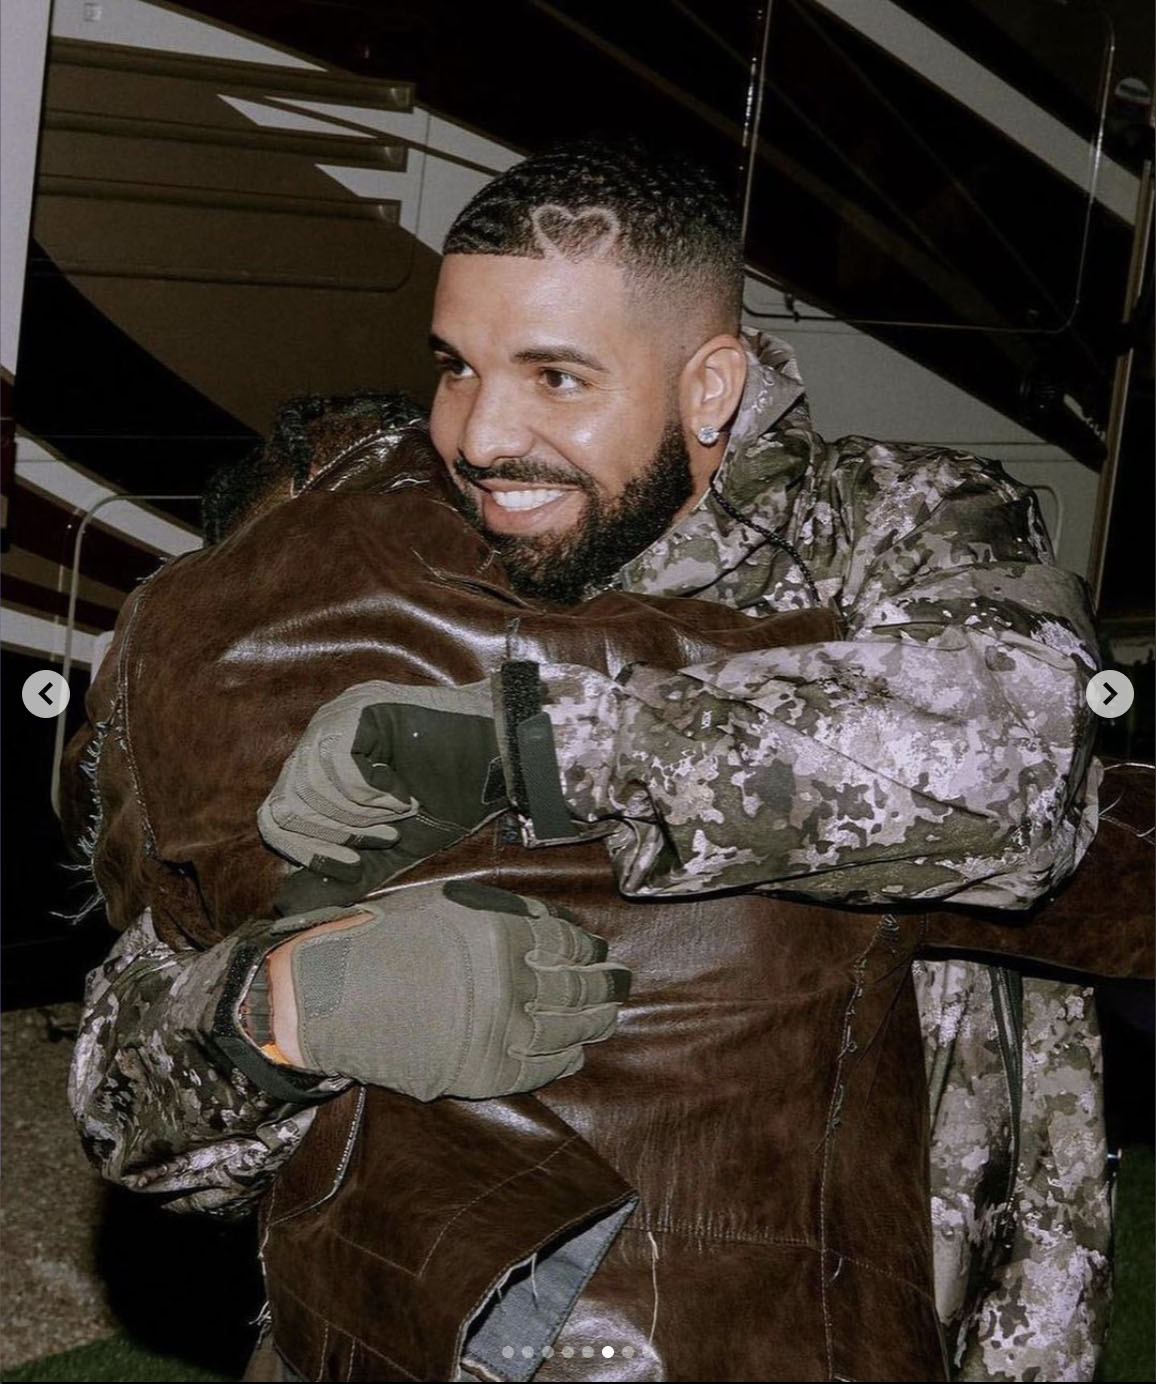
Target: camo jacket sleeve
<point>160,1106</point>
<point>939,750</point>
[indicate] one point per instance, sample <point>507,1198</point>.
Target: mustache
<point>525,470</point>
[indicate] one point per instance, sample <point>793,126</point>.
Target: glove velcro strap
<point>227,1034</point>
<point>526,738</point>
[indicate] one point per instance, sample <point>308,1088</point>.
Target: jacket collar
<point>771,444</point>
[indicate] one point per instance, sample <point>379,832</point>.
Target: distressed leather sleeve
<point>160,1100</point>
<point>101,813</point>
<point>82,816</point>
<point>940,751</point>
<point>161,1104</point>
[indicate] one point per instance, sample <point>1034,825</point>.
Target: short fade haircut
<point>668,223</point>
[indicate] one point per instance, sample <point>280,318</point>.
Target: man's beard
<point>563,567</point>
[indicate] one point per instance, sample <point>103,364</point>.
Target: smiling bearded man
<point>551,421</point>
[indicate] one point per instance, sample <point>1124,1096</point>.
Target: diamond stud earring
<point>708,436</point>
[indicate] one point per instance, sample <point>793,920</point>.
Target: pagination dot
<point>607,1352</point>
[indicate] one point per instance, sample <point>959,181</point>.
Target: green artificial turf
<point>1131,1352</point>
<point>1130,1356</point>
<point>115,1358</point>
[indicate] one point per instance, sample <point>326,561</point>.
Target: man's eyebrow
<point>558,355</point>
<point>436,344</point>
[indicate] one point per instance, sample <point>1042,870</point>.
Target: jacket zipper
<point>1007,990</point>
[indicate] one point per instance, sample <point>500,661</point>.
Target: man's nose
<point>494,428</point>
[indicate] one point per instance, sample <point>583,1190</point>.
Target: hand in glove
<point>387,775</point>
<point>457,989</point>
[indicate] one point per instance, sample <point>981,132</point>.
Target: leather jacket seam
<point>339,1174</point>
<point>794,1241</point>
<point>886,928</point>
<point>364,452</point>
<point>377,1254</point>
<point>867,1265</point>
<point>125,662</point>
<point>481,1196</point>
<point>348,1334</point>
<point>689,1232</point>
<point>460,1211</point>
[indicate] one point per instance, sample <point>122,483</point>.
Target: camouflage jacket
<point>939,750</point>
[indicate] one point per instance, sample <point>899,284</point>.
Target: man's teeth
<point>525,499</point>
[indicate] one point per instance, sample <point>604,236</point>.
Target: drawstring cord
<point>776,538</point>
<point>654,1281</point>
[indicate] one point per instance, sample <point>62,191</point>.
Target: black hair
<point>286,456</point>
<point>662,218</point>
<point>234,491</point>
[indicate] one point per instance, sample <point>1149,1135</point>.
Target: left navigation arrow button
<point>45,693</point>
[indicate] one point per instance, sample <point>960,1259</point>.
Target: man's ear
<point>711,387</point>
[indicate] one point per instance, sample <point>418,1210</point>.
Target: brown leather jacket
<point>735,1186</point>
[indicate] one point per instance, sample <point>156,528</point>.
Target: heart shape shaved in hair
<point>668,225</point>
<point>591,232</point>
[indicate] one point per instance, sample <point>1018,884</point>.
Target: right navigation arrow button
<point>1110,693</point>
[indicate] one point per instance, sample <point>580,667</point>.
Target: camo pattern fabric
<point>1023,1223</point>
<point>158,1109</point>
<point>1046,1315</point>
<point>939,751</point>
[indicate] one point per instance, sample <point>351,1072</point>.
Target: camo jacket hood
<point>770,447</point>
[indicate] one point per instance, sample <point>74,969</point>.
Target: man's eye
<point>453,367</point>
<point>561,381</point>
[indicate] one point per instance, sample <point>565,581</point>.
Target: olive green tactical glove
<point>387,775</point>
<point>324,805</point>
<point>454,989</point>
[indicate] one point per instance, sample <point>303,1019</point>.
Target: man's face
<point>556,415</point>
